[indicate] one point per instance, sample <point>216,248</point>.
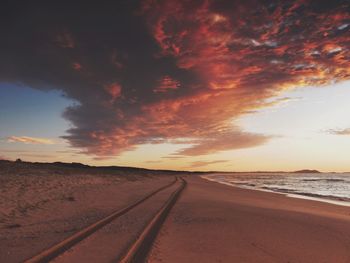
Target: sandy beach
<point>210,222</point>
<point>217,223</point>
<point>40,205</point>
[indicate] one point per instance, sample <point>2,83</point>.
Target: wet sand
<point>218,223</point>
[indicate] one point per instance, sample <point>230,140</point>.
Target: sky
<point>189,85</point>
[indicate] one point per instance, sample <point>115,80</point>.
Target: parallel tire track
<point>139,250</point>
<point>56,250</point>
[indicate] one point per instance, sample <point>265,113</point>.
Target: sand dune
<point>41,205</point>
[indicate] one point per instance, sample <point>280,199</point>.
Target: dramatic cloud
<point>340,131</point>
<point>205,163</point>
<point>159,71</point>
<point>29,140</point>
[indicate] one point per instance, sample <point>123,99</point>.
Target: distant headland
<point>307,171</point>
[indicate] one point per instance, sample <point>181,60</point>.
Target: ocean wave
<point>328,187</point>
<point>324,180</point>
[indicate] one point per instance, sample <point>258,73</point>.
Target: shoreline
<point>306,196</point>
<point>213,222</point>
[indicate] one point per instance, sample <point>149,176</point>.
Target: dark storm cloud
<point>158,71</point>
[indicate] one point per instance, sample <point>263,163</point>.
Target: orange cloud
<point>205,163</point>
<point>240,49</point>
<point>29,140</point>
<point>237,56</point>
<point>114,90</point>
<point>165,84</point>
<point>222,142</point>
<point>340,131</point>
<point>242,57</point>
<point>173,157</point>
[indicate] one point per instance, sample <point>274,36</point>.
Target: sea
<point>327,187</point>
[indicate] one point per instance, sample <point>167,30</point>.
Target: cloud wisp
<point>29,140</point>
<point>340,131</point>
<point>156,71</point>
<point>205,163</point>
